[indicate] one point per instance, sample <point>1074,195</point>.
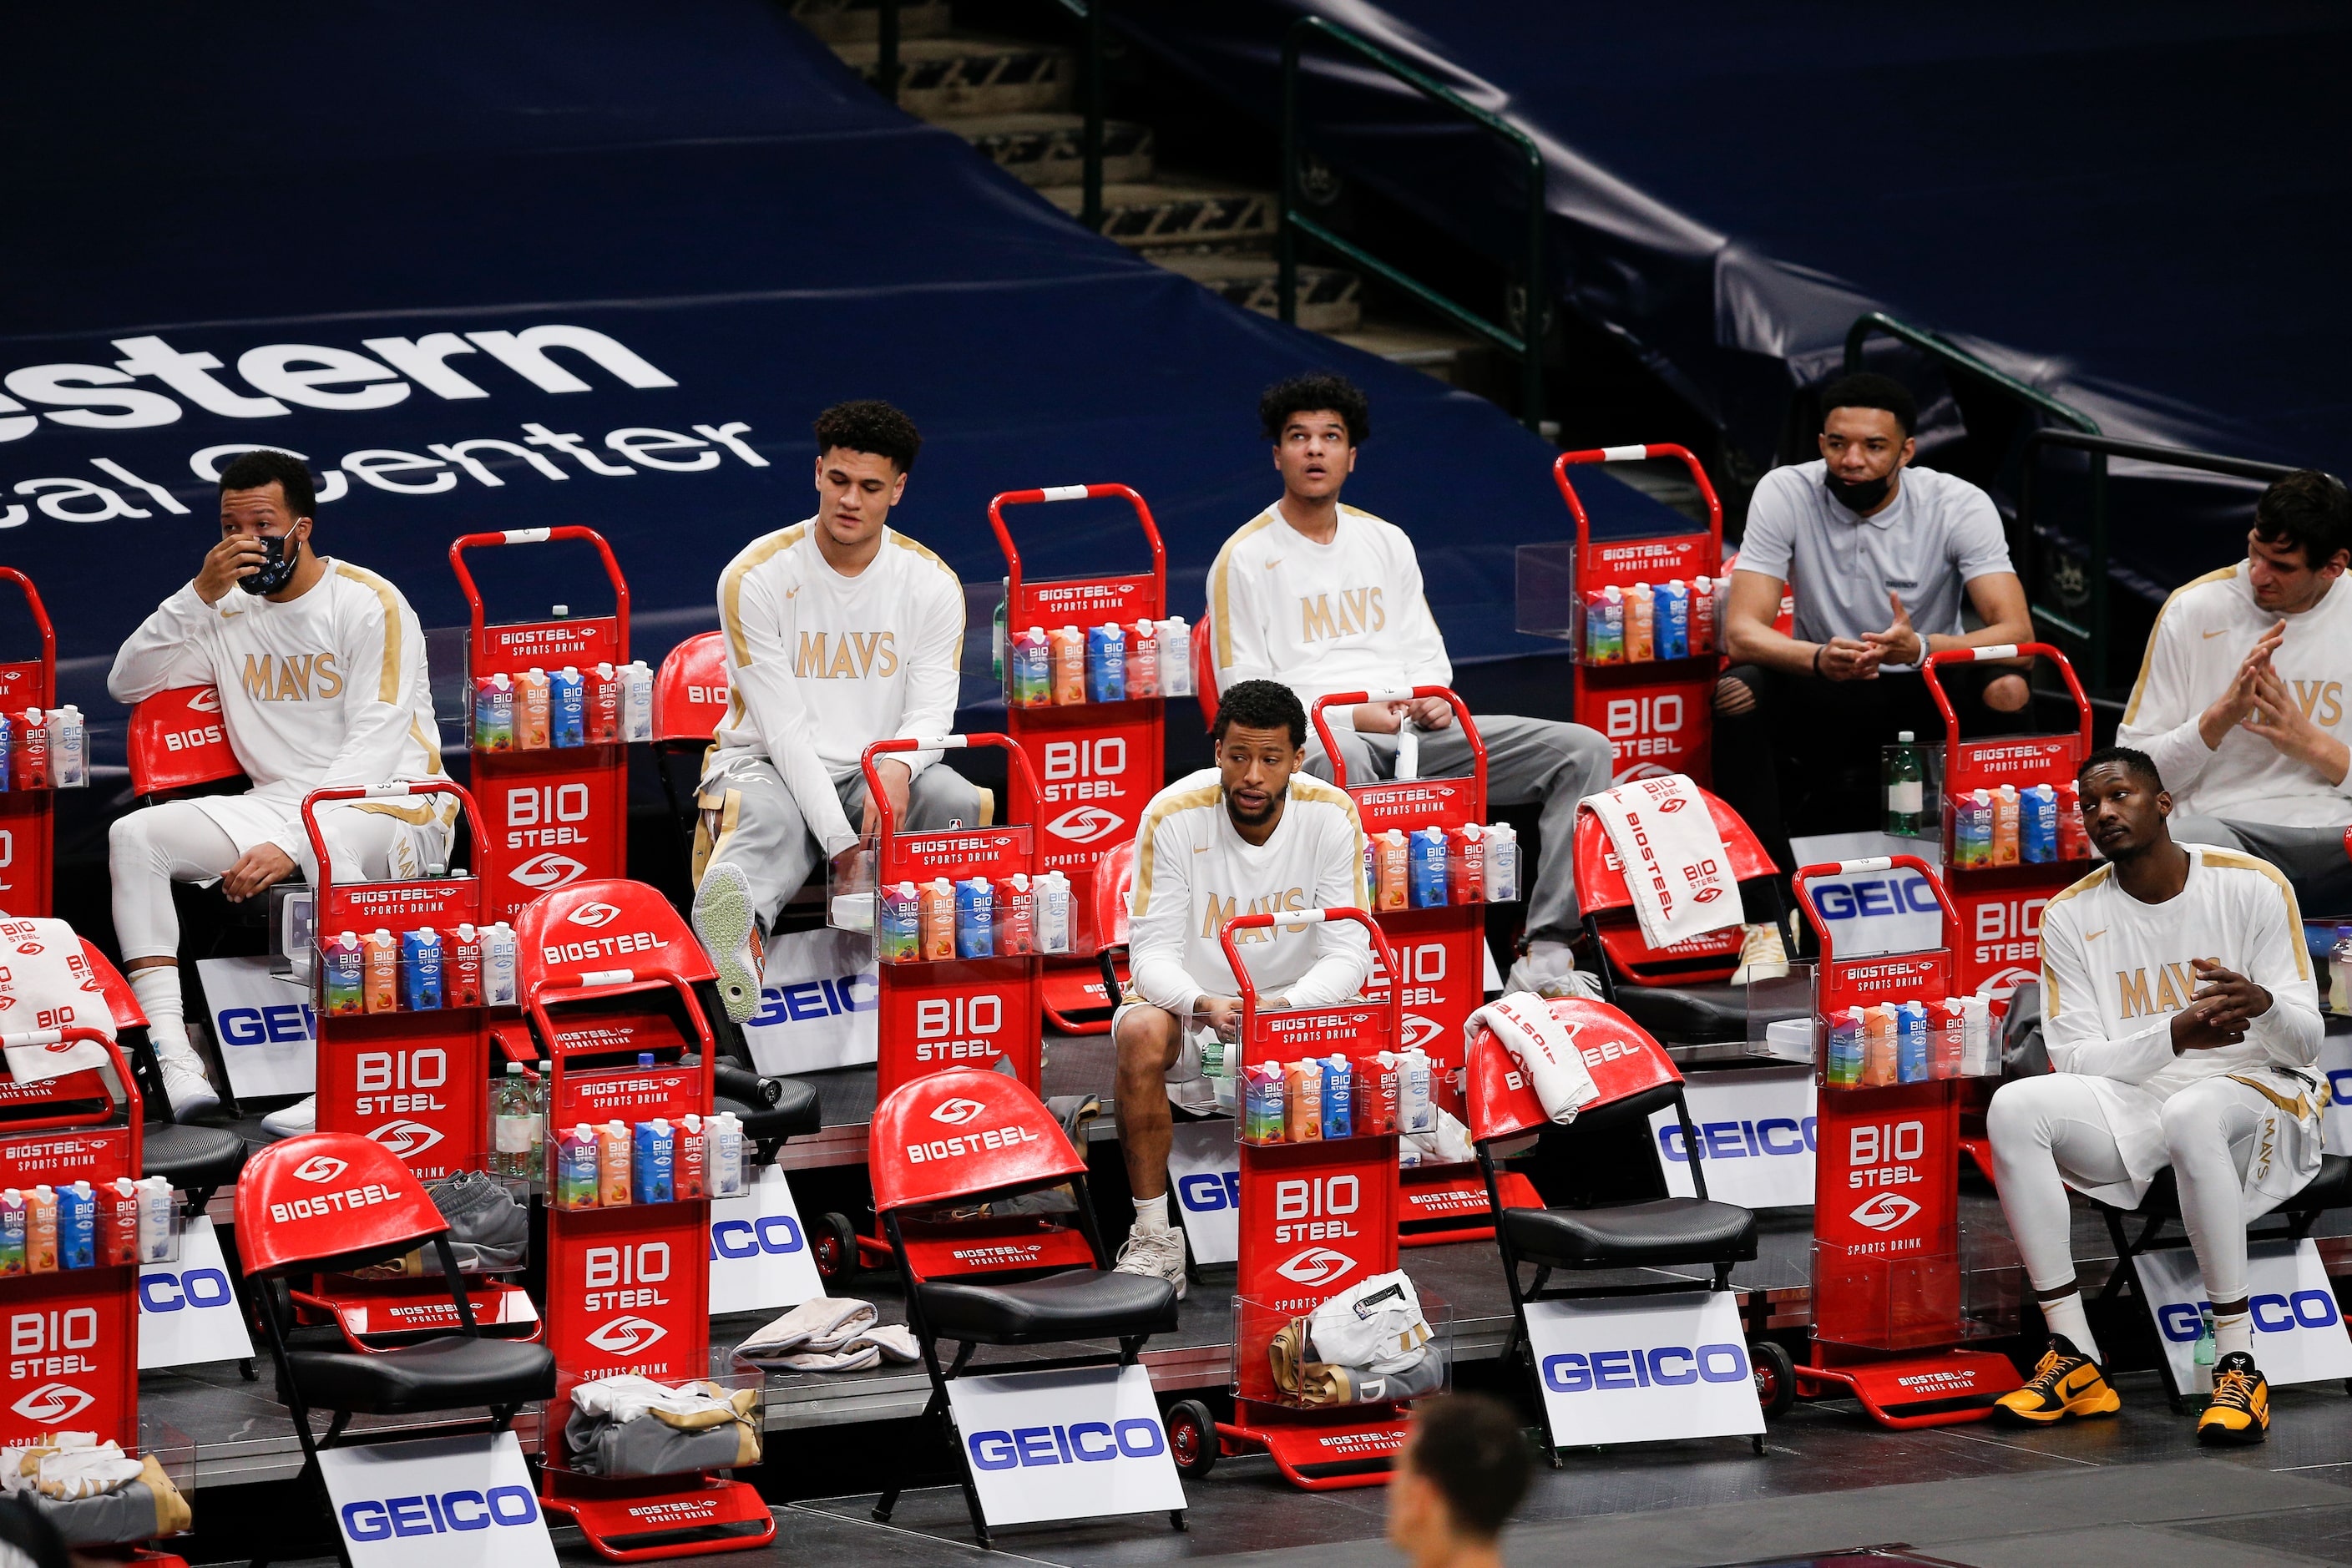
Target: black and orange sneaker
<point>2240,1410</point>
<point>2065,1382</point>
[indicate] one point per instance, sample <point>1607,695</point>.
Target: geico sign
<point>1205,1192</point>
<point>287,1024</point>
<point>1773,1135</point>
<point>1661,1366</point>
<point>437,1513</point>
<point>327,1204</point>
<point>197,1288</point>
<point>806,1001</point>
<point>2271,1314</point>
<point>775,1234</point>
<point>1080,1443</point>
<point>970,1143</point>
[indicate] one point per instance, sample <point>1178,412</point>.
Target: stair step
<point>941,78</point>
<point>1050,149</point>
<point>1431,348</point>
<point>849,21</point>
<point>1328,299</point>
<point>1178,211</point>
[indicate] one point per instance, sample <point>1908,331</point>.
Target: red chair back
<point>178,742</point>
<point>1622,1058</point>
<point>326,1195</point>
<point>586,933</point>
<point>690,691</point>
<point>1205,671</point>
<point>120,1000</point>
<point>1601,893</point>
<point>963,1132</point>
<point>1114,887</point>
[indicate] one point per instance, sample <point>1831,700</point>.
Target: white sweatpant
<point>2045,1130</point>
<point>157,846</point>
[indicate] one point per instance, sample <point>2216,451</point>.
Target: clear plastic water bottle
<point>516,1126</point>
<point>2201,1359</point>
<point>2339,972</point>
<point>1906,781</point>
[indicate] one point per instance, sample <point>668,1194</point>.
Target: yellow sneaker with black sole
<point>2240,1410</point>
<point>2065,1382</point>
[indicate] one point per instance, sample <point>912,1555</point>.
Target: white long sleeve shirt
<point>2114,970</point>
<point>821,666</point>
<point>1194,872</point>
<point>1349,615</point>
<point>2204,631</point>
<point>322,692</point>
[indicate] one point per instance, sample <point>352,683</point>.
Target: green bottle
<point>1906,787</point>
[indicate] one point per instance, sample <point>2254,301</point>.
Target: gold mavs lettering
<point>2322,702</point>
<point>2175,985</point>
<point>845,656</point>
<point>1220,911</point>
<point>1359,610</point>
<point>291,677</point>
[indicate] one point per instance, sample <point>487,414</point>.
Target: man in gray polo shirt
<point>1881,555</point>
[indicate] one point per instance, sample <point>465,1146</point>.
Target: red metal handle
<point>1016,767</point>
<point>535,1006</point>
<point>48,633</point>
<point>1073,492</point>
<point>1634,455</point>
<point>2001,650</point>
<point>1874,863</point>
<point>1381,949</point>
<point>386,792</point>
<point>127,1085</point>
<point>541,536</point>
<point>1460,716</point>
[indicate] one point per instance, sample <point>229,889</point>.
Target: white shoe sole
<point>722,918</point>
<point>283,1123</point>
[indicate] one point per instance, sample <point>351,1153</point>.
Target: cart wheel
<point>1192,1439</point>
<point>835,1246</point>
<point>1776,1376</point>
<point>1176,1520</point>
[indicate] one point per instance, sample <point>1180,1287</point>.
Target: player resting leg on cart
<point>2182,1023</point>
<point>1253,834</point>
<point>840,631</point>
<point>320,666</point>
<point>1324,598</point>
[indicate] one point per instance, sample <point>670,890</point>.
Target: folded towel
<point>626,1397</point>
<point>892,1341</point>
<point>1375,1325</point>
<point>1677,868</point>
<point>827,1324</point>
<point>45,985</point>
<point>1544,1047</point>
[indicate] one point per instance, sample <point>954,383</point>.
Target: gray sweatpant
<point>750,819</point>
<point>2313,858</point>
<point>1544,760</point>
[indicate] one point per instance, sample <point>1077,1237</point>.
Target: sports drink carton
<point>687,1158</point>
<point>1339,1096</point>
<point>531,716</point>
<point>2038,830</point>
<point>1465,864</point>
<point>1392,865</point>
<point>383,972</point>
<point>975,918</point>
<point>1878,1064</point>
<point>1674,619</point>
<point>1641,624</point>
<point>30,764</point>
<point>567,708</point>
<point>1142,660</point>
<point>1302,1082</point>
<point>1175,641</point>
<point>1426,850</point>
<point>1502,863</point>
<point>1069,664</point>
<point>606,698</point>
<point>653,1172</point>
<point>1031,666</point>
<point>76,1226</point>
<point>1263,1109</point>
<point>1106,663</point>
<point>937,905</point>
<point>1604,627</point>
<point>2004,826</point>
<point>575,1181</point>
<point>421,970</point>
<point>1052,910</point>
<point>68,749</point>
<point>899,924</point>
<point>612,1151</point>
<point>1016,916</point>
<point>344,975</point>
<point>1911,1058</point>
<point>637,702</point>
<point>461,967</point>
<point>723,1155</point>
<point>498,964</point>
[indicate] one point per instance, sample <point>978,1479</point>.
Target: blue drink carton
<point>420,970</point>
<point>1672,634</point>
<point>1426,868</point>
<point>975,918</point>
<point>2038,830</point>
<point>567,708</point>
<point>1912,1063</point>
<point>653,1172</point>
<point>1106,663</point>
<point>76,1226</point>
<point>1339,1096</point>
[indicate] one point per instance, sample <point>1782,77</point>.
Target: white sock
<point>2065,1316</point>
<point>158,990</point>
<point>2233,1333</point>
<point>1152,1214</point>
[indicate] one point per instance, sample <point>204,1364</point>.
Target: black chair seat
<point>1686,1015</point>
<point>450,1373</point>
<point>1082,1304</point>
<point>795,1113</point>
<point>2331,1188</point>
<point>190,1158</point>
<point>1665,1230</point>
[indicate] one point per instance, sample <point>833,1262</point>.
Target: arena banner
<point>265,1024</point>
<point>446,1502</point>
<point>1639,1369</point>
<point>1205,1172</point>
<point>2299,1334</point>
<point>1754,1132</point>
<point>2335,1061</point>
<point>760,1255</point>
<point>1075,1444</point>
<point>187,1312</point>
<point>817,1001</point>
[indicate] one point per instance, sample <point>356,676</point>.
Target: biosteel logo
<point>1316,1265</point>
<point>321,1168</point>
<point>206,700</point>
<point>956,1112</point>
<point>406,1138</point>
<point>53,1402</point>
<point>548,870</point>
<point>1085,824</point>
<point>626,1336</point>
<point>593,915</point>
<point>1885,1212</point>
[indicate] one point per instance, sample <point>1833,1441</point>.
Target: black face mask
<point>278,566</point>
<point>1860,497</point>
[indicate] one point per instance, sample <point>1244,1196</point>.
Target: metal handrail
<point>1090,211</point>
<point>1527,346</point>
<point>2035,400</point>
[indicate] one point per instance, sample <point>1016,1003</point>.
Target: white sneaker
<point>292,1120</point>
<point>1762,954</point>
<point>184,1083</point>
<point>722,918</point>
<point>1159,1253</point>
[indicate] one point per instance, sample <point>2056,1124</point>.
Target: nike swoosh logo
<point>1272,564</point>
<point>231,615</point>
<point>789,592</point>
<point>1199,850</point>
<point>2095,935</point>
<point>2222,632</point>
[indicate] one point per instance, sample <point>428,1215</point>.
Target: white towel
<point>1544,1048</point>
<point>45,985</point>
<point>824,1325</point>
<point>1376,1324</point>
<point>1676,865</point>
<point>892,1341</point>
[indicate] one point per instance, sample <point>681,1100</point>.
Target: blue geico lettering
<point>2339,1082</point>
<point>807,999</point>
<point>1205,1192</point>
<point>1082,1442</point>
<point>437,1513</point>
<point>1893,896</point>
<point>1667,1366</point>
<point>775,1234</point>
<point>2271,1314</point>
<point>287,1024</point>
<point>174,1292</point>
<point>1741,1139</point>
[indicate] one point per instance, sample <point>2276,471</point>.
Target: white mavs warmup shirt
<point>1349,615</point>
<point>326,691</point>
<point>2114,970</point>
<point>2201,634</point>
<point>821,666</point>
<point>1194,872</point>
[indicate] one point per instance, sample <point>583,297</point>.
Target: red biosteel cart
<point>28,814</point>
<point>1888,1318</point>
<point>557,816</point>
<point>1098,763</point>
<point>1442,948</point>
<point>1656,713</point>
<point>1317,1218</point>
<point>1999,905</point>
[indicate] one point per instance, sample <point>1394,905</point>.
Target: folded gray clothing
<point>488,1230</point>
<point>825,1323</point>
<point>1324,1382</point>
<point>895,1342</point>
<point>111,1519</point>
<point>599,1447</point>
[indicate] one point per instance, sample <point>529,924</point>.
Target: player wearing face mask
<point>320,666</point>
